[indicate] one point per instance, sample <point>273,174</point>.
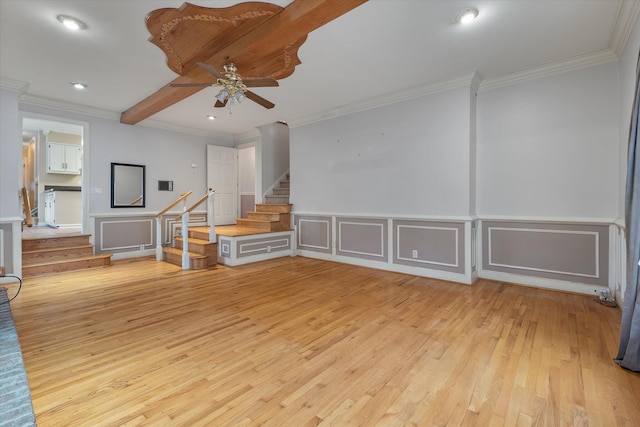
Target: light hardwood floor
<point>298,342</point>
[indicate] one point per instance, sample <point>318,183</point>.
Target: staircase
<point>51,255</point>
<point>274,215</point>
<point>202,253</point>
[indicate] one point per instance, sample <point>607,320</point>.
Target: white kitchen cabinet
<point>64,158</point>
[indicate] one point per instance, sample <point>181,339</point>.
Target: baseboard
<point>396,268</point>
<point>538,282</point>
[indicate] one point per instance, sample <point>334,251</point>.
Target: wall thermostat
<point>165,185</point>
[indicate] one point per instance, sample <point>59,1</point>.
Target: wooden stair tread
<point>176,251</point>
<point>68,260</point>
<point>265,216</point>
<point>274,207</point>
<point>195,240</point>
<point>56,249</point>
<point>197,261</point>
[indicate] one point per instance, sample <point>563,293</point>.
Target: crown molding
<point>67,106</point>
<point>387,99</point>
<point>628,12</point>
<point>557,67</point>
<point>112,115</point>
<point>248,137</point>
<point>182,129</point>
<point>13,85</point>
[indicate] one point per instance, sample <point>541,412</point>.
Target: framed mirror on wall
<point>127,185</point>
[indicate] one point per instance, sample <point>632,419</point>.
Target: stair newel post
<point>210,216</point>
<point>185,237</point>
<point>159,255</point>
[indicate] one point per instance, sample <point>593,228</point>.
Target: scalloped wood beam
<point>286,29</point>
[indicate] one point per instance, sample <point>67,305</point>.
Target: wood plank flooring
<point>300,342</point>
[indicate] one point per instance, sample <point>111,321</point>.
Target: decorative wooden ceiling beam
<point>289,26</point>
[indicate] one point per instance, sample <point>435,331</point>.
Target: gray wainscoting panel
<point>429,244</point>
<point>264,245</point>
<point>574,252</point>
<point>314,233</point>
<point>362,238</point>
<point>247,204</point>
<point>225,247</point>
<point>124,234</point>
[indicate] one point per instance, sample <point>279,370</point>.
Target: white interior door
<point>222,176</point>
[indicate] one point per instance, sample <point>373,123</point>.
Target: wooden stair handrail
<point>26,204</point>
<point>181,198</point>
<point>196,204</point>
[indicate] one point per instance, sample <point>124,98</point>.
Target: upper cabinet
<point>64,158</point>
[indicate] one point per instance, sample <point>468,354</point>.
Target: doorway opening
<point>54,171</point>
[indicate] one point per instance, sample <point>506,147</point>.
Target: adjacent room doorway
<point>222,176</point>
<point>55,184</point>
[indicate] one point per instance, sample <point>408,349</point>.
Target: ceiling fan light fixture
<point>467,16</point>
<point>71,23</point>
<point>223,94</point>
<point>240,96</point>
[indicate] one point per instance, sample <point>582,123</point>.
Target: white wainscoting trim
<point>541,282</point>
<point>428,227</point>
<point>300,224</point>
<point>133,254</point>
<point>542,270</point>
<point>381,226</point>
<point>548,219</point>
<point>277,244</point>
<point>387,266</point>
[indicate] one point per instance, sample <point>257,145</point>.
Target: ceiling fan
<point>234,89</point>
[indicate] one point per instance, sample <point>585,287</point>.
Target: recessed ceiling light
<point>210,117</point>
<point>466,16</point>
<point>78,85</point>
<point>72,23</point>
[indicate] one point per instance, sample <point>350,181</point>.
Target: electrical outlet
<point>2,272</point>
<point>414,253</point>
<point>605,294</point>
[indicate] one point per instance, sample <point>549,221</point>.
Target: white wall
<point>247,170</point>
<point>410,158</point>
<point>273,154</point>
<point>549,147</point>
<point>10,154</point>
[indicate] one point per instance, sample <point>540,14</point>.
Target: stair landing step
<point>65,249</point>
<point>67,264</point>
<point>197,261</point>
<point>29,244</point>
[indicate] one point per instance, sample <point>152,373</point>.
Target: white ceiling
<point>381,48</point>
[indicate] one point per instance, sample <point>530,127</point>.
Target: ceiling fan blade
<point>210,69</point>
<point>266,82</point>
<point>220,104</point>
<point>190,84</point>
<point>260,100</point>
